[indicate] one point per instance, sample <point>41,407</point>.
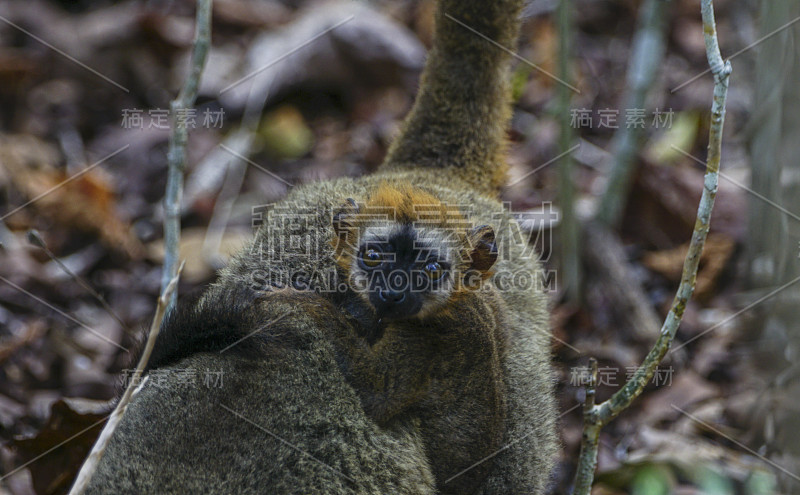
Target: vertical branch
<point>646,57</point>
<point>176,155</point>
<point>176,158</point>
<point>774,124</point>
<point>597,416</point>
<point>590,438</point>
<point>571,263</point>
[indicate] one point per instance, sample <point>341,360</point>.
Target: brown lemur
<point>296,383</point>
<point>438,347</point>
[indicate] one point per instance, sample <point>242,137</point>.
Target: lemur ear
<point>484,248</point>
<point>341,221</point>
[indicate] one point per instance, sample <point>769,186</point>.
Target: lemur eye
<point>434,270</point>
<point>371,258</point>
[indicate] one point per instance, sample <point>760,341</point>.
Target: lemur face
<point>404,271</point>
<point>406,254</point>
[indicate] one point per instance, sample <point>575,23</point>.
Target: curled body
<point>529,443</point>
<point>312,405</point>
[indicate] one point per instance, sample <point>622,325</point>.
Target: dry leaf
<point>54,472</point>
<point>717,252</point>
<point>85,203</point>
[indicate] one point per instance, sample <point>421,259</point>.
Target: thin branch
<point>233,168</point>
<point>597,416</point>
<point>647,54</point>
<point>176,158</point>
<point>569,228</point>
<point>99,448</point>
<point>591,436</point>
<point>176,155</point>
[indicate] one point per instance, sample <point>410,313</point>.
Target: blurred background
<point>298,91</point>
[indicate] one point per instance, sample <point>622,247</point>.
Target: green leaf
<point>651,479</point>
<point>285,133</point>
<point>665,148</point>
<point>760,483</point>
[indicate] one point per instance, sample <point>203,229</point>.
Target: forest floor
<point>84,95</point>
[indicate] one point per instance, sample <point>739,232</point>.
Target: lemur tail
<point>460,116</point>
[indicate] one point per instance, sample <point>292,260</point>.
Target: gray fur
<point>191,436</point>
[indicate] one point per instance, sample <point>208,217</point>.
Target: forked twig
<point>597,416</point>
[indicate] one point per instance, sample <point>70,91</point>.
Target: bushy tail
<point>460,116</point>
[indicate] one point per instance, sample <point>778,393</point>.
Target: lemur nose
<point>391,296</point>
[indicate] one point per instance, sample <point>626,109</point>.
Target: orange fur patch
<point>410,204</point>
